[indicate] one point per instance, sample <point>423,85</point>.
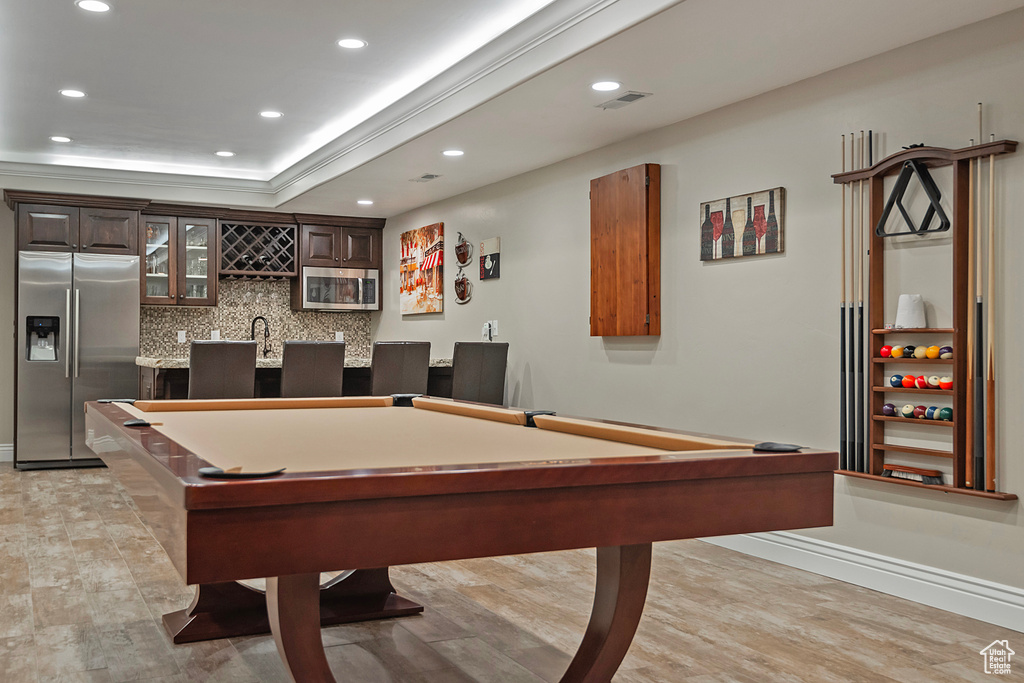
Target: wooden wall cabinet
<point>87,230</point>
<point>263,249</point>
<point>336,246</point>
<point>179,257</point>
<point>360,248</point>
<point>625,252</point>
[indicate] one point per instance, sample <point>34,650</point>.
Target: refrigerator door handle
<point>78,301</point>
<point>67,320</point>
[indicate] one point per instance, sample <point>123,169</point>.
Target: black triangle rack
<point>911,168</point>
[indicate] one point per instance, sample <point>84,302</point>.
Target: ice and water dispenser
<point>42,337</point>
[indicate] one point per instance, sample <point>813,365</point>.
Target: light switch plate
<point>181,336</point>
<point>214,335</point>
<point>339,336</point>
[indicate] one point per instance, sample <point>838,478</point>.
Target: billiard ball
<point>946,414</point>
<point>907,411</point>
<point>945,383</point>
<point>908,351</point>
<point>888,409</point>
<point>896,352</point>
<point>886,351</point>
<point>933,352</point>
<point>921,382</point>
<point>920,352</point>
<point>933,381</point>
<point>946,352</point>
<point>896,381</point>
<point>919,412</point>
<point>932,413</point>
<point>908,381</point>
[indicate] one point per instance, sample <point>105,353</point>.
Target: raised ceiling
<point>170,83</point>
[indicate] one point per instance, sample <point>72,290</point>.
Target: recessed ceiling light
<point>453,152</point>
<point>364,201</point>
<point>605,86</point>
<point>224,153</point>
<point>351,43</point>
<point>72,93</point>
<point>271,114</point>
<point>60,138</point>
<point>93,5</point>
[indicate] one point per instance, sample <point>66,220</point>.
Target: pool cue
<point>861,460</point>
<point>843,464</point>
<point>990,366</point>
<point>979,336</point>
<point>851,348</point>
<point>970,476</point>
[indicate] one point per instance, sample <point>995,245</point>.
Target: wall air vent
<point>425,178</point>
<point>624,99</point>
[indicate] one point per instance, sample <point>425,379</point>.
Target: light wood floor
<point>83,585</point>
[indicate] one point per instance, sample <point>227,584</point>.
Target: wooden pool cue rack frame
<point>961,453</point>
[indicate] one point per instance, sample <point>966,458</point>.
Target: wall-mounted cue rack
<point>867,458</point>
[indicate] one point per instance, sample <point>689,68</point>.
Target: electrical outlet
<point>215,335</point>
<point>494,327</point>
<point>339,336</point>
<point>181,336</point>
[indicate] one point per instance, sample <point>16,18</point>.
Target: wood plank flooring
<point>83,584</point>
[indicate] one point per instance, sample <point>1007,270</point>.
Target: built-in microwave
<point>339,289</point>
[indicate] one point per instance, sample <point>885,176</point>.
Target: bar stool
<point>478,371</point>
<point>222,369</point>
<point>312,368</point>
<point>399,367</point>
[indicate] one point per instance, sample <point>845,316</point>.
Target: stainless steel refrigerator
<point>78,336</point>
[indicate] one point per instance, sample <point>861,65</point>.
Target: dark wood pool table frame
<point>292,527</point>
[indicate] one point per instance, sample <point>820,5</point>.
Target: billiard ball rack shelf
<point>912,450</point>
<point>915,390</point>
<point>961,452</point>
<point>915,421</point>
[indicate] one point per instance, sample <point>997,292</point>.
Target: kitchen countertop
<point>350,362</point>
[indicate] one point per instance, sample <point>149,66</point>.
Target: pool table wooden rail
<point>410,515</point>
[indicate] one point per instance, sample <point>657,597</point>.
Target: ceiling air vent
<point>425,178</point>
<point>624,99</point>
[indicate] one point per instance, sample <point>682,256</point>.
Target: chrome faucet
<point>266,334</point>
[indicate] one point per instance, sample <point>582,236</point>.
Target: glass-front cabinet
<point>178,261</point>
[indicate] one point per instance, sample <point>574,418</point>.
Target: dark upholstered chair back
<point>222,369</point>
<point>311,368</point>
<point>399,367</point>
<point>478,371</point>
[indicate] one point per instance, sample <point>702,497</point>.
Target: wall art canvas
<point>421,270</point>
<point>744,225</point>
<point>490,259</point>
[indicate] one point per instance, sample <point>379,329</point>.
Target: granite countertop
<point>350,362</point>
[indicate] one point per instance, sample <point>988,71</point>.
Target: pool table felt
<point>332,439</point>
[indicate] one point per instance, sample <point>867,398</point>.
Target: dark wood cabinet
<point>625,252</point>
<point>321,246</point>
<point>43,227</point>
<point>360,248</point>
<point>179,258</point>
<point>108,231</point>
<point>336,246</point>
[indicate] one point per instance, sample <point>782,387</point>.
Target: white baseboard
<point>6,452</point>
<point>976,598</point>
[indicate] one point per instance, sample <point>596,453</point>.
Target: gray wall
<point>749,348</point>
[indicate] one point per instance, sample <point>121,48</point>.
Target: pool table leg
<point>623,573</point>
<point>293,605</point>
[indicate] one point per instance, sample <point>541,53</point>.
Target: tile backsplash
<point>239,301</point>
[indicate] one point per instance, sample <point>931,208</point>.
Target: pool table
<point>369,484</point>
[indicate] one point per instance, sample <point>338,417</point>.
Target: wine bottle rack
<point>956,367</point>
<point>253,250</point>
